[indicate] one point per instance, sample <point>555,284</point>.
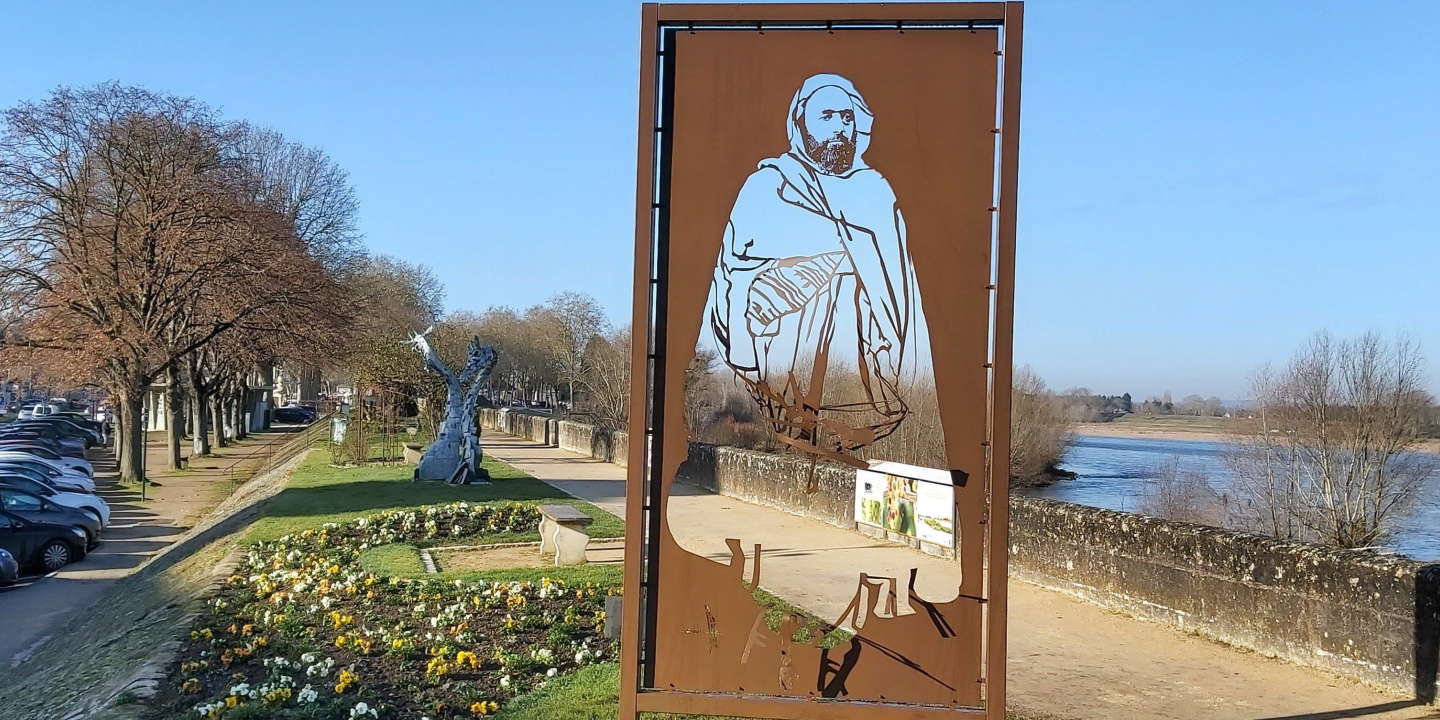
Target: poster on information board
<point>907,500</point>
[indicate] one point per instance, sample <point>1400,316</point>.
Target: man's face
<point>829,128</point>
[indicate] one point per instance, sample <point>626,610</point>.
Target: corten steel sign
<point>826,206</point>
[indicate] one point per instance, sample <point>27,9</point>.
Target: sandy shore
<point>1124,431</point>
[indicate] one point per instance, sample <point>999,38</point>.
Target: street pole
<point>144,450</point>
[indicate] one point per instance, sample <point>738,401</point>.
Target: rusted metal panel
<point>1002,347</point>
<point>630,635</point>
<point>822,12</point>
<point>757,146</point>
<point>750,706</point>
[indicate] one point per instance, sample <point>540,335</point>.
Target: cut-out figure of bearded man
<point>814,275</point>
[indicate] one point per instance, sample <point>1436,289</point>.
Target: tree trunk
<point>132,469</point>
<point>200,428</point>
<point>218,418</point>
<point>117,431</point>
<point>199,409</point>
<point>174,406</point>
<point>239,414</point>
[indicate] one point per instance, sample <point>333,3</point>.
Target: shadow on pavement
<point>1358,712</point>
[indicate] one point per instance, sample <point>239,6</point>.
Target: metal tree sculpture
<point>455,455</point>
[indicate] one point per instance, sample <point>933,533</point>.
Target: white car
<point>26,413</point>
<point>48,475</point>
<point>68,465</point>
<point>80,501</point>
<point>61,478</point>
<point>80,465</point>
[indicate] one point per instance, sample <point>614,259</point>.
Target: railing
<point>277,454</point>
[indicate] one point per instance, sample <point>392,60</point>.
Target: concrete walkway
<point>1067,658</point>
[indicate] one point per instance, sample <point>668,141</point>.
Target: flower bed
<point>302,631</point>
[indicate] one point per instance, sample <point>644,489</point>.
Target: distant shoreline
<point>1118,430</point>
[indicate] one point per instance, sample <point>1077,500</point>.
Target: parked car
<point>9,567</point>
<point>48,545</point>
<point>27,412</point>
<point>51,471</point>
<point>96,427</point>
<point>63,483</point>
<point>87,502</point>
<point>44,436</point>
<point>37,509</point>
<point>294,414</point>
<point>27,442</point>
<point>66,427</point>
<point>55,459</point>
<point>59,441</point>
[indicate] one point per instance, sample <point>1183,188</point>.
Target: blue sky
<point>1202,186</point>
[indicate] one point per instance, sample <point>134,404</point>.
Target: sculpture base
<point>440,459</point>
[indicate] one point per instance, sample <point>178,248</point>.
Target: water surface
<point>1113,473</point>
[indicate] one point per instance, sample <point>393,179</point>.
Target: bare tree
<point>1180,494</point>
<point>607,379</point>
<point>114,200</point>
<point>526,368</point>
<point>139,232</point>
<point>1040,428</point>
<point>397,298</point>
<point>1332,459</point>
<point>578,318</point>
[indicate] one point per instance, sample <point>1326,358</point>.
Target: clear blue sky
<point>1203,185</point>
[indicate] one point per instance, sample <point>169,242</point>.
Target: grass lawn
<point>319,493</point>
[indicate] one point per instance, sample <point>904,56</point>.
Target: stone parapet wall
<point>773,480</point>
<point>1370,617</point>
<point>608,445</point>
<point>532,426</point>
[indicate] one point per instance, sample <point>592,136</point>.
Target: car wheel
<point>56,554</point>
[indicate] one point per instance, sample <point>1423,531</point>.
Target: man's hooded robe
<point>814,271</point>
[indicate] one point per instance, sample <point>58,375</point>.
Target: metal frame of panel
<point>644,501</point>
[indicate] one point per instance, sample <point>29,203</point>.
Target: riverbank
<point>1187,428</point>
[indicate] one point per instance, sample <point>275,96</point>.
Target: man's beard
<point>835,156</point>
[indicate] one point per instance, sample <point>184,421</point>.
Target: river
<point>1114,472</point>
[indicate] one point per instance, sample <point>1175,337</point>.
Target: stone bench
<point>562,531</point>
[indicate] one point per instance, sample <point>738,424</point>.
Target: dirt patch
<point>527,555</point>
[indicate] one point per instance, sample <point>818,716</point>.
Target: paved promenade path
<point>1067,657</point>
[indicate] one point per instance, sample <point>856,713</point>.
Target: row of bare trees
<point>1334,452</point>
<point>548,353</point>
<point>143,238</point>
